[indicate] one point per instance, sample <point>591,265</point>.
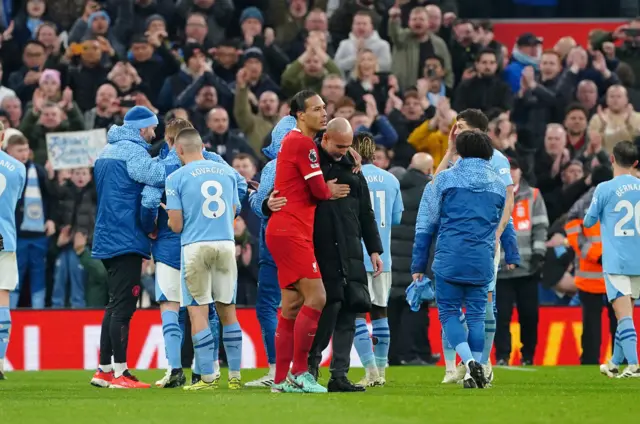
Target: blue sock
<point>628,340</point>
<point>214,326</point>
<point>464,352</point>
<point>456,335</point>
<point>489,333</point>
<point>448,351</point>
<point>618,354</point>
<point>465,327</point>
<point>476,336</point>
<point>182,318</point>
<point>363,343</point>
<point>380,332</point>
<point>172,338</point>
<point>5,329</point>
<point>203,351</point>
<point>232,339</point>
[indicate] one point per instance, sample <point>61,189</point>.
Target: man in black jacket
<point>340,225</point>
<point>409,344</point>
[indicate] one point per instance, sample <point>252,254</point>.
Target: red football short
<point>294,258</point>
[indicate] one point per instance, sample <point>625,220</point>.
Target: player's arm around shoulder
<point>174,201</point>
<point>141,167</point>
<point>267,180</point>
<point>593,213</point>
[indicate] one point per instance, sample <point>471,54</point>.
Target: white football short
<point>8,271</point>
<point>379,288</point>
<point>621,285</point>
<point>167,283</point>
<point>209,273</point>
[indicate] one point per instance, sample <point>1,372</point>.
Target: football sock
<point>476,335</point>
<point>628,340</point>
<point>172,338</point>
<point>363,345</point>
<point>449,353</point>
<point>5,330</point>
<point>489,333</point>
<point>203,351</point>
<point>232,339</point>
<point>119,368</point>
<point>304,332</point>
<point>284,348</point>
<point>618,354</point>
<point>214,326</point>
<point>182,318</point>
<point>380,333</point>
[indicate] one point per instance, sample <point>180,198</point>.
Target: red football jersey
<point>299,179</point>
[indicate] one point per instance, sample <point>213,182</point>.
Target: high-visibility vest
<point>588,276</point>
<point>523,222</point>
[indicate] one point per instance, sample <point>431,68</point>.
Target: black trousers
<point>123,281</point>
<point>592,305</point>
<point>523,292</point>
<point>409,332</point>
<point>340,323</point>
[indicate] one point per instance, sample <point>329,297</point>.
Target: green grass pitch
<point>558,395</point>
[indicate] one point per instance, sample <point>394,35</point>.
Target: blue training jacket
<point>463,205</point>
<point>166,247</point>
<point>267,181</point>
<point>121,171</point>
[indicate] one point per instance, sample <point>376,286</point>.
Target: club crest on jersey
<point>313,156</point>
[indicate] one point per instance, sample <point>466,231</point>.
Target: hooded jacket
<point>121,171</point>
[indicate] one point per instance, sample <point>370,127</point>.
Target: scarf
<point>434,98</point>
<point>526,60</point>
<point>33,24</point>
<point>33,217</point>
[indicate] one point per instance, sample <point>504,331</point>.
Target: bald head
<point>339,126</point>
<point>189,141</point>
<point>423,162</point>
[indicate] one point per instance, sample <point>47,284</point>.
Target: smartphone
<point>76,48</point>
<point>431,72</point>
<point>127,103</point>
<point>632,32</point>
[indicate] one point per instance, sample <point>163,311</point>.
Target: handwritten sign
<point>77,149</point>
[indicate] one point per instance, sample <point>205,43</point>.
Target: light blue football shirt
<point>13,175</point>
<point>616,204</point>
<point>386,201</point>
<point>501,165</point>
<point>206,192</point>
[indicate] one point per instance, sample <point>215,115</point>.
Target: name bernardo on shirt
<point>8,165</point>
<point>202,171</point>
<point>627,187</point>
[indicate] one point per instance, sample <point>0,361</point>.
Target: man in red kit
<point>289,237</point>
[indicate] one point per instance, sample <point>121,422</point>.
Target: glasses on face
<point>33,54</point>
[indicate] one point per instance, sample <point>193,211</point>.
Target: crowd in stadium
<point>399,71</point>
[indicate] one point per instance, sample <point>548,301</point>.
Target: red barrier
<point>507,32</point>
<point>67,339</point>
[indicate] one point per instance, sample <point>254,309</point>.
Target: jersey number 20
<point>209,198</point>
<point>381,196</point>
<point>631,213</point>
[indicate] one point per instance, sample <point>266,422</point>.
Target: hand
<point>276,203</point>
<point>396,102</point>
<point>468,74</point>
<point>247,253</point>
<point>371,107</point>
<point>537,260</point>
<point>566,156</point>
<point>338,191</point>
<point>451,148</point>
<point>105,46</point>
<point>269,36</point>
<point>395,12</point>
<point>248,39</point>
<point>529,75</point>
<point>38,100</point>
<point>8,33</point>
<point>360,44</point>
<point>357,159</point>
<point>448,18</point>
<point>241,78</point>
<point>423,86</point>
<point>376,261</point>
<point>556,240</point>
<point>79,242</point>
<point>417,276</point>
<point>599,63</point>
<point>252,98</point>
<point>444,108</point>
<point>628,113</point>
<point>49,228</point>
<point>32,77</point>
<point>618,33</point>
<point>51,173</point>
<point>603,115</point>
<point>67,99</point>
<point>64,238</point>
<point>609,50</point>
<point>155,38</point>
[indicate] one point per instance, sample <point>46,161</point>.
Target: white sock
<point>207,378</point>
<point>372,372</point>
<point>450,364</point>
<point>1,365</point>
<point>106,368</point>
<point>272,370</point>
<point>234,374</point>
<point>119,369</point>
<point>381,371</point>
<point>216,367</point>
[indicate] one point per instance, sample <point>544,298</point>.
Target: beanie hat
<point>99,13</point>
<point>152,18</point>
<point>48,74</point>
<point>140,117</point>
<point>253,53</point>
<point>251,13</point>
<point>190,50</point>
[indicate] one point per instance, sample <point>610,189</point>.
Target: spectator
<point>316,21</point>
<point>405,116</point>
<point>291,21</point>
<point>309,70</point>
<point>96,293</point>
<point>255,126</point>
<point>628,81</point>
<point>365,79</point>
<point>464,50</point>
<point>107,110</point>
<point>526,53</point>
<point>28,20</point>
<point>46,117</point>
<point>76,214</point>
<point>411,46</point>
<point>34,224</point>
<point>575,124</point>
<point>4,91</point>
<point>253,66</point>
<point>206,100</point>
<point>432,83</point>
<point>410,341</point>
<point>112,39</point>
<point>47,34</point>
<point>226,61</point>
<point>628,52</point>
<point>333,90</point>
<point>520,285</point>
<point>195,32</point>
<point>432,136</point>
<point>13,106</point>
<point>79,28</point>
<point>483,89</point>
<point>381,158</point>
<point>125,78</point>
<point>217,15</point>
<point>90,74</point>
<point>552,159</point>
<point>247,262</point>
<point>486,40</point>
<point>221,140</point>
<point>371,121</point>
<point>587,96</point>
<point>573,185</point>
<point>195,66</point>
<point>24,81</point>
<point>247,167</point>
<point>578,71</point>
<point>363,36</point>
<point>341,21</point>
<point>618,121</point>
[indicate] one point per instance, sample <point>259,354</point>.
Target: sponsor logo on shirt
<point>313,156</point>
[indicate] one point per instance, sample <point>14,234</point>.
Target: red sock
<point>284,348</point>
<point>304,333</point>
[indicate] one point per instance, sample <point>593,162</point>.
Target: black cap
<point>528,39</point>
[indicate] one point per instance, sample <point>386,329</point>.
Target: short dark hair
<point>576,106</point>
<point>243,156</point>
<point>187,132</point>
<point>475,118</point>
<point>486,25</point>
<point>17,140</point>
<point>381,148</point>
<point>299,102</point>
<point>35,43</point>
<point>625,154</point>
<point>434,56</point>
<point>486,51</point>
<point>363,13</point>
<point>474,144</point>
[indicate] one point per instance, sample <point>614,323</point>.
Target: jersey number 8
<point>631,212</point>
<point>209,198</point>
